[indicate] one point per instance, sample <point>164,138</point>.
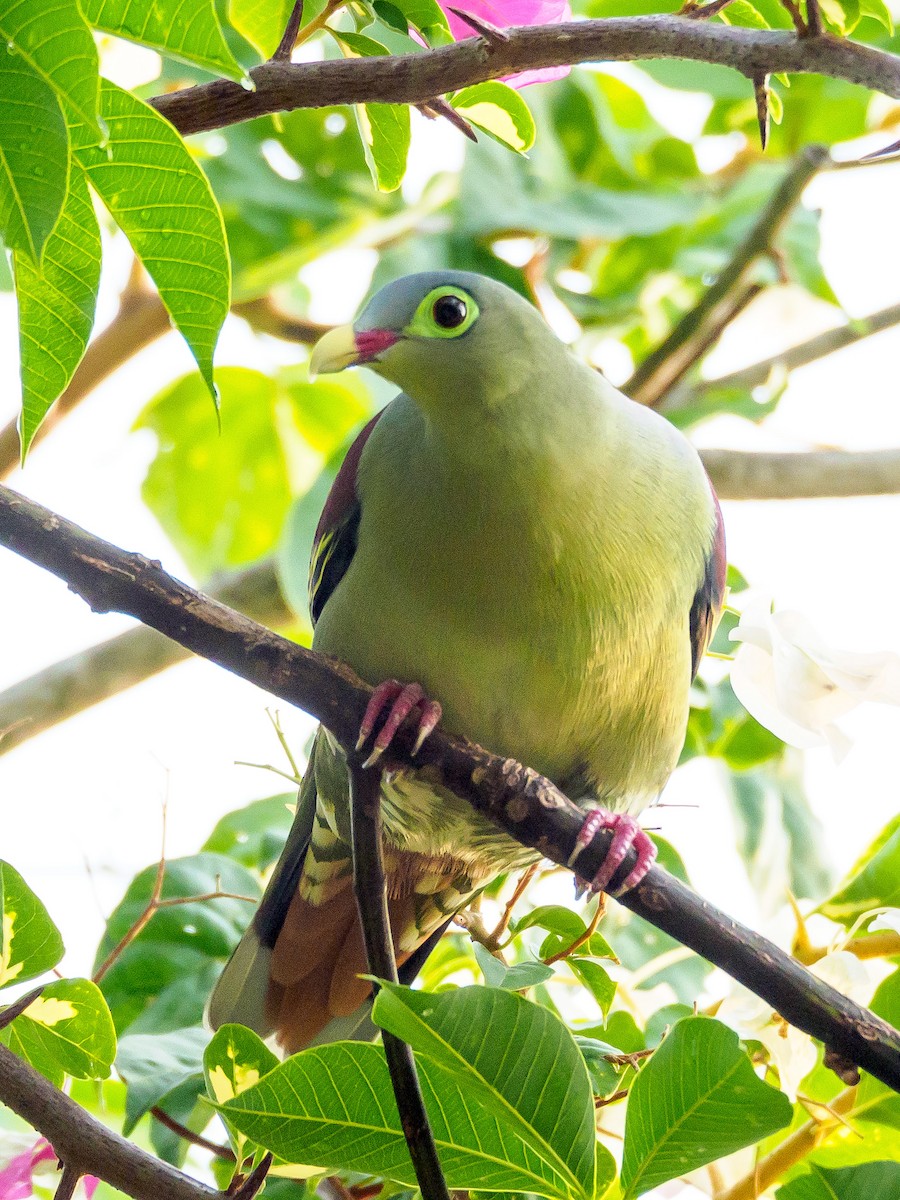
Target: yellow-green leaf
<point>29,941</point>
<point>500,111</point>
<point>53,38</point>
<point>67,1029</point>
<point>185,29</point>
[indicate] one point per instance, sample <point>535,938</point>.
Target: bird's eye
<point>449,312</point>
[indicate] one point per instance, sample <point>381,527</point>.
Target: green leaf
<point>254,835</point>
<point>162,201</point>
<point>54,40</point>
<point>867,1181</point>
<point>235,1059</point>
<point>500,111</point>
<point>529,1070</point>
<point>385,133</point>
<point>595,979</point>
<point>391,16</point>
<point>876,885</point>
<point>34,156</point>
<point>696,1100</point>
<point>30,943</point>
<point>153,1064</point>
<point>564,927</point>
<point>429,18</point>
<point>840,15</point>
<point>604,1075</point>
<point>292,425</point>
<point>56,307</point>
<point>515,978</point>
<point>333,1107</point>
<point>188,30</point>
<point>67,1028</point>
<point>878,10</point>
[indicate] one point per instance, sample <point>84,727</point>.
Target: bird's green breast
<point>535,574</point>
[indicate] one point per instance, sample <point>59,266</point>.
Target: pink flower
<point>16,1178</point>
<point>512,12</point>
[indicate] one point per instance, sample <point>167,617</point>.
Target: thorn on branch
<point>796,15</point>
<point>813,19</point>
<point>285,47</point>
<point>65,1189</point>
<point>761,92</point>
<point>439,107</point>
<point>492,34</point>
<point>697,12</point>
<point>254,1181</point>
<point>18,1006</point>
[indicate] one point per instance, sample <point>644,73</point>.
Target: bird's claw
<point>626,834</point>
<point>400,699</point>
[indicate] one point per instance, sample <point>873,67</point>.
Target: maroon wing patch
<point>335,542</point>
<point>707,606</point>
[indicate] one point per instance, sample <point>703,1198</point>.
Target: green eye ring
<point>446,312</point>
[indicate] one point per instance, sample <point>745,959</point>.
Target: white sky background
<point>90,791</point>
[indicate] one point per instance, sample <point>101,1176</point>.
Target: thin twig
<point>796,16</point>
<point>651,380</point>
<point>589,932</point>
<point>761,94</point>
<point>493,942</point>
<point>513,797</point>
<point>371,903</point>
<point>415,79</point>
<point>196,1139</point>
<point>696,12</point>
<point>285,47</point>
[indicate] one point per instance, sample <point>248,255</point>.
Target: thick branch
<point>417,78</point>
<point>86,1146</point>
<point>68,687</point>
<point>513,797</point>
<point>754,475</point>
<point>665,365</point>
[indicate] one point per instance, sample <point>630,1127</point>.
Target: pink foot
<point>627,833</point>
<point>401,700</point>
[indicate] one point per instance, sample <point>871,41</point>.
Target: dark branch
<point>85,1145</point>
<point>371,902</point>
<point>417,78</point>
<point>515,798</point>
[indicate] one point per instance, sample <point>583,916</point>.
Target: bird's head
<point>441,334</point>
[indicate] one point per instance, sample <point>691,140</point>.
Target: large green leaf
<point>384,128</point>
<point>223,497</point>
<point>333,1107</point>
<point>254,835</point>
<point>67,1030</point>
<point>30,943</point>
<point>153,1064</point>
<point>161,199</point>
<point>528,1072</point>
<point>235,1060</point>
<point>697,1099</point>
<point>868,1181</point>
<point>53,38</point>
<point>186,29</point>
<point>56,307</point>
<point>34,156</point>
<point>876,885</point>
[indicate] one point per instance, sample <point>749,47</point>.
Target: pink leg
<point>400,700</point>
<point>627,833</point>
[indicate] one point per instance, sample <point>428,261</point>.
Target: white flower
<point>887,921</point>
<point>793,683</point>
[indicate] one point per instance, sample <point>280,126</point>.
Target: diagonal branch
<point>516,799</point>
<point>665,365</point>
<point>85,1145</point>
<point>418,78</point>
